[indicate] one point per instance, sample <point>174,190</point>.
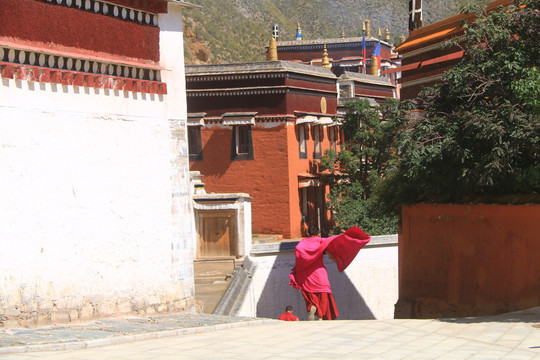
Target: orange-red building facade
<point>423,61</point>
<point>284,105</point>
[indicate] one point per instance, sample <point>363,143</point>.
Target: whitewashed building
<point>96,216</point>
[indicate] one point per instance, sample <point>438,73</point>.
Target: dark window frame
<point>195,150</point>
<point>247,145</point>
<point>302,150</point>
<point>317,142</point>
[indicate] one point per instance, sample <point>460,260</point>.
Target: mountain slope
<point>225,31</point>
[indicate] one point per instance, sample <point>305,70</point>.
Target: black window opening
<point>305,204</point>
<point>195,143</point>
<point>242,143</point>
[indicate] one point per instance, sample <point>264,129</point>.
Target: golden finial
<point>387,34</point>
<point>343,33</point>
<point>363,26</point>
<point>272,50</point>
<point>374,66</point>
<point>367,27</point>
<point>379,34</point>
<point>325,62</point>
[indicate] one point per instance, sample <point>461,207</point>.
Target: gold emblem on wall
<point>323,105</point>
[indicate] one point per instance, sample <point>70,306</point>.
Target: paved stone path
<point>509,336</point>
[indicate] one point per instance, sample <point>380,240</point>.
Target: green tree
<point>479,134</point>
<point>367,153</point>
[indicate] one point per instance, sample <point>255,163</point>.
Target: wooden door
<point>216,235</point>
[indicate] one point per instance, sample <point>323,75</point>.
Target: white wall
<point>367,289</point>
<point>95,198</point>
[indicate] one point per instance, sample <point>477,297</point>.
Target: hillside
<point>225,31</point>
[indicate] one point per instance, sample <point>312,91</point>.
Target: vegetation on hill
<point>238,30</point>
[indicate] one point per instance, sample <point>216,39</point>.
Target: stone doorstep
<point>266,238</point>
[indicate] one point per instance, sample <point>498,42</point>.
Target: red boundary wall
<point>468,260</point>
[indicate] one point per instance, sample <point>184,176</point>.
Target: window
<point>305,206</point>
<point>302,141</point>
<point>195,143</point>
<point>332,137</point>
<point>345,91</point>
<point>317,154</point>
<point>242,144</point>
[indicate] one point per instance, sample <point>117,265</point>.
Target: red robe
<point>288,317</point>
<point>309,273</point>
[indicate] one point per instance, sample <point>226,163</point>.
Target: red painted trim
<point>453,56</point>
<point>46,23</point>
<point>77,53</point>
<point>419,64</point>
<point>20,74</point>
<point>402,68</point>
<point>74,78</point>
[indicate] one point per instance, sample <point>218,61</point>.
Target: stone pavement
<point>509,336</point>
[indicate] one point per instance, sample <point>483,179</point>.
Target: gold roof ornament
<point>325,62</point>
<point>367,27</point>
<point>374,66</point>
<point>402,38</point>
<point>272,50</point>
<point>343,33</point>
<point>363,26</point>
<point>387,34</point>
<point>379,34</point>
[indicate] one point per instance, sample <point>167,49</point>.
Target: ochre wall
<point>271,179</point>
<point>77,28</point>
<point>297,166</point>
<point>264,178</point>
<point>468,260</point>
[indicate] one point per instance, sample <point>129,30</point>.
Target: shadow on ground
<point>277,293</point>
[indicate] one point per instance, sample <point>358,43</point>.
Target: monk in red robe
<point>309,273</point>
<point>288,314</point>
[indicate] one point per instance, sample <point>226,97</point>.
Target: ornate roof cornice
<point>257,90</point>
<point>330,43</point>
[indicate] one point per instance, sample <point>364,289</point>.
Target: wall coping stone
<point>286,246</point>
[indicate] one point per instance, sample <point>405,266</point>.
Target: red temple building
<point>353,55</point>
<point>260,128</point>
<point>344,54</point>
<point>423,61</point>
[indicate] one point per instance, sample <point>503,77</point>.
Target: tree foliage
<point>479,134</point>
<point>368,152</point>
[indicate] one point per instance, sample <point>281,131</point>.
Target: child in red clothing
<point>287,315</point>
